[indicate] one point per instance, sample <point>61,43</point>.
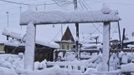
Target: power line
<point>57,2</point>
<point>60,31</point>
<point>85,6</point>
<point>13,2</point>
<point>7,13</point>
<point>18,3</point>
<point>97,28</point>
<point>82,4</point>
<point>115,3</point>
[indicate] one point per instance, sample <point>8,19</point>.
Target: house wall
<point>41,52</point>
<point>2,48</point>
<point>66,46</point>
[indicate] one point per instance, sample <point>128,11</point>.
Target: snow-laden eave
<point>42,23</point>
<point>14,44</point>
<point>57,17</point>
<point>48,44</point>
<point>22,38</point>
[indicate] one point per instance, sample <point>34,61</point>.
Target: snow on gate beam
<point>32,18</point>
<point>57,17</point>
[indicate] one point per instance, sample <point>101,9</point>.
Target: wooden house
<point>67,41</point>
<point>2,48</point>
<point>41,51</point>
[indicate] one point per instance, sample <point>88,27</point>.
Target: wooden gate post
<point>106,45</point>
<point>30,47</point>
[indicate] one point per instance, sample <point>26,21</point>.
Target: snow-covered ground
<point>14,65</point>
<point>24,64</point>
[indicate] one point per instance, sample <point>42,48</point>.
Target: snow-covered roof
<point>21,37</point>
<point>12,34</point>
<point>54,17</point>
<point>131,46</point>
<point>13,43</point>
<point>49,44</point>
<point>130,39</point>
<point>86,39</point>
<point>91,45</point>
<point>16,44</point>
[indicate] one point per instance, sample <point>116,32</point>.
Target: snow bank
<point>56,70</point>
<point>6,71</point>
<point>127,67</point>
<point>51,17</point>
<point>9,64</point>
<point>40,65</point>
<point>94,72</point>
<point>90,70</point>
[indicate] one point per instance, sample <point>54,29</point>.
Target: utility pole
<point>7,23</point>
<point>119,31</point>
<point>75,4</point>
<point>123,38</point>
<point>77,30</point>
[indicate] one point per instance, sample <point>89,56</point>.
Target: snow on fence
<point>127,67</point>
<point>59,71</point>
<point>76,65</point>
<point>70,65</point>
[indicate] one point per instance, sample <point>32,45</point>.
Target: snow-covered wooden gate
<point>33,18</point>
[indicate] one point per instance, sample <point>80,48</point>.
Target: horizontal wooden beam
<point>59,17</point>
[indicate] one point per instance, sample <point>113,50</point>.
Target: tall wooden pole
<point>75,4</point>
<point>123,38</point>
<point>7,22</point>
<point>77,31</point>
<point>119,31</point>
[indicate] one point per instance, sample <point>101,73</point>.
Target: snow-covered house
<point>67,41</point>
<point>2,48</point>
<point>128,43</point>
<point>42,51</point>
<point>16,44</point>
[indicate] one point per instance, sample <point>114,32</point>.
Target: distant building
<point>67,44</point>
<point>42,51</point>
<point>2,48</point>
<point>67,41</point>
<point>16,43</point>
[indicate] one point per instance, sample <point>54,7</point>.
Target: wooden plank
<point>57,17</point>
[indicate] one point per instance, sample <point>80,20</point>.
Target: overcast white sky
<point>125,8</point>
